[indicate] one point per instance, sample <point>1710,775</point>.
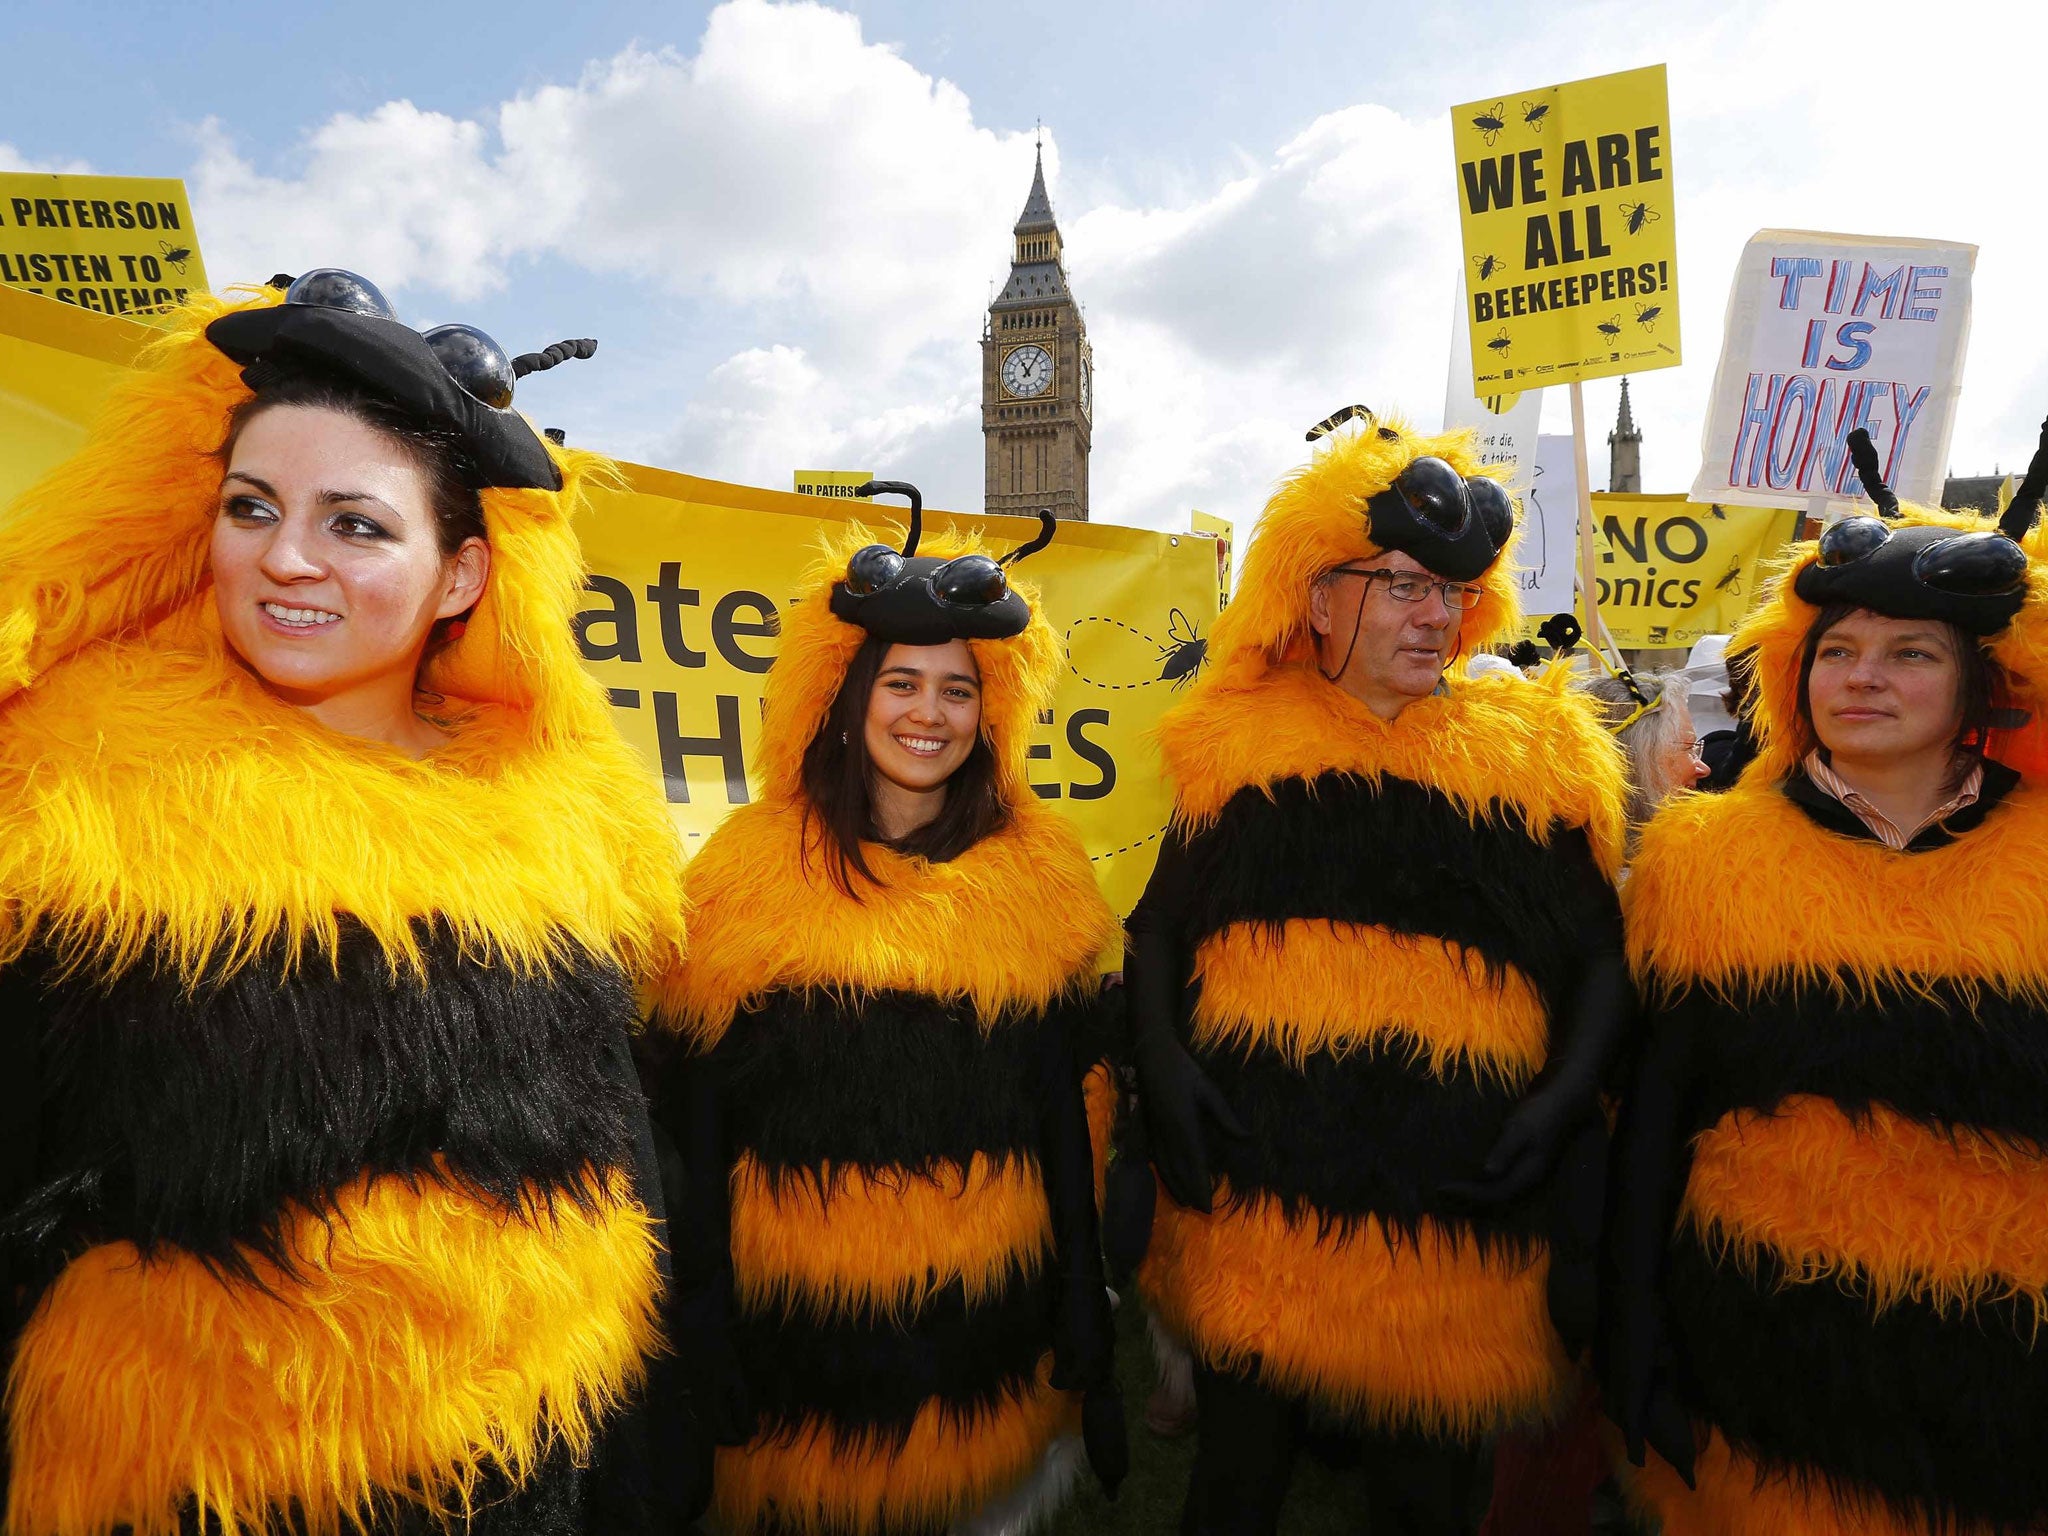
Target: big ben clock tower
<point>1037,377</point>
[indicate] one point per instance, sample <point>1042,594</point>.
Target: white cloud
<point>837,212</point>
<point>12,159</point>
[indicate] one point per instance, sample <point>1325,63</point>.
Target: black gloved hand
<point>1177,1096</point>
<point>1638,1366</point>
<point>1527,1147</point>
<point>1105,1437</point>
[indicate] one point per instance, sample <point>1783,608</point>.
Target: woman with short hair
<point>1833,1172</point>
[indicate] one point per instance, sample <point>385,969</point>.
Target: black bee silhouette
<point>1491,121</point>
<point>1184,652</point>
<point>1610,327</point>
<point>1714,510</point>
<point>1501,343</point>
<point>1488,265</point>
<point>1636,215</point>
<point>1731,579</point>
<point>1534,113</point>
<point>176,255</point>
<point>1646,315</point>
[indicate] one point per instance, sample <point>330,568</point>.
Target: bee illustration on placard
<point>1646,315</point>
<point>176,255</point>
<point>1488,265</point>
<point>1499,345</point>
<point>1535,113</point>
<point>1731,579</point>
<point>1636,215</point>
<point>1714,511</point>
<point>1117,657</point>
<point>1491,121</point>
<point>1610,327</point>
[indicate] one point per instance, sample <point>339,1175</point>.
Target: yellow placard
<point>1221,530</point>
<point>1570,233</point>
<point>1671,570</point>
<point>837,483</point>
<point>688,577</point>
<point>117,245</point>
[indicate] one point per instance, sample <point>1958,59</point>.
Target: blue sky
<point>781,220</point>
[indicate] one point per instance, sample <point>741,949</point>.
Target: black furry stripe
<point>895,1080</point>
<point>198,1118</point>
<point>1366,1133</point>
<point>869,1377</point>
<point>1931,1414</point>
<point>1941,1059</point>
<point>1404,857</point>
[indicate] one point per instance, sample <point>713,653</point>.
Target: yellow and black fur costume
<point>1373,929</point>
<point>326,1179</point>
<point>886,1127</point>
<point>1832,1220</point>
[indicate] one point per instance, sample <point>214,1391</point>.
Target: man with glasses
<point>1376,983</point>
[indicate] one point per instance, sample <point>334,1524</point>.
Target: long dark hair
<point>838,783</point>
<point>1978,681</point>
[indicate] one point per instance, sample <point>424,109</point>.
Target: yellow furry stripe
<point>882,1241</point>
<point>1534,747</point>
<point>429,1338</point>
<point>1427,1334</point>
<point>1008,926</point>
<point>1099,1094</point>
<point>1344,987</point>
<point>1736,1497</point>
<point>947,1468</point>
<point>1889,1209</point>
<point>1743,889</point>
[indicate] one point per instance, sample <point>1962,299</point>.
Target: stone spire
<point>1037,215</point>
<point>1624,450</point>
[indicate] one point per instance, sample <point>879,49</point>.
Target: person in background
<point>1832,1170</point>
<point>1650,715</point>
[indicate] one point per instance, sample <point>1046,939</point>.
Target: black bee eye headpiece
<point>912,599</point>
<point>1975,581</point>
<point>1455,526</point>
<point>453,377</point>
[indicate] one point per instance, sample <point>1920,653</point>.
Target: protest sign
<point>1671,570</point>
<point>1505,422</point>
<point>839,483</point>
<point>688,578</point>
<point>119,245</point>
<point>1570,234</point>
<point>1545,558</point>
<point>1827,333</point>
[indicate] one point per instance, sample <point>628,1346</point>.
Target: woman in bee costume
<point>325,884</point>
<point>1376,981</point>
<point>1832,1215</point>
<point>900,1315</point>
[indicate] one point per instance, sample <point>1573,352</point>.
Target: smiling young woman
<point>326,1198</point>
<point>890,1086</point>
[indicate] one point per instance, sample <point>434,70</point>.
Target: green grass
<point>1320,1501</point>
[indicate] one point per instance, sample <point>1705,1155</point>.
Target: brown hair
<point>1978,681</point>
<point>438,455</point>
<point>838,784</point>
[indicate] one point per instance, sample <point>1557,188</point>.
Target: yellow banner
<point>839,483</point>
<point>688,577</point>
<point>1571,245</point>
<point>1671,570</point>
<point>118,245</point>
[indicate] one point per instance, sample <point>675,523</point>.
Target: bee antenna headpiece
<point>901,488</point>
<point>1337,418</point>
<point>2026,501</point>
<point>1864,454</point>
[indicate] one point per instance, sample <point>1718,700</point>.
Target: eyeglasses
<point>1415,587</point>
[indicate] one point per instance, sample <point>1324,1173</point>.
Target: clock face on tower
<point>1087,389</point>
<point>1027,372</point>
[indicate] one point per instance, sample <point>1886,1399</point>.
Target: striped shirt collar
<point>1881,826</point>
